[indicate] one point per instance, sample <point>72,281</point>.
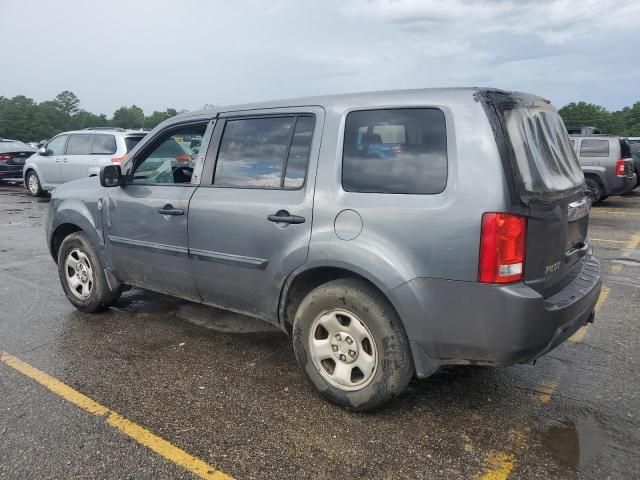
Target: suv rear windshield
<point>132,142</point>
<point>544,156</point>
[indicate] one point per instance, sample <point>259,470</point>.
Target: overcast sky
<point>184,54</point>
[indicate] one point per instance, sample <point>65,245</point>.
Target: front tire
<point>33,184</point>
<point>348,340</point>
<point>82,276</point>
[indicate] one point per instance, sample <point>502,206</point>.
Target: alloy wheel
<point>343,349</point>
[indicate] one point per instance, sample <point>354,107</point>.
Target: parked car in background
<point>77,154</point>
<point>13,154</point>
<point>634,145</point>
<point>607,164</point>
<point>356,223</point>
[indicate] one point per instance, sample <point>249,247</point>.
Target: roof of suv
<point>333,100</point>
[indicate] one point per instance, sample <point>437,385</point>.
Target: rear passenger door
<point>250,219</point>
<point>76,160</point>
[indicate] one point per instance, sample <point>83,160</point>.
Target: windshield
<point>545,158</point>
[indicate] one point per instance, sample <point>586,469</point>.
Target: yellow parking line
<point>633,242</point>
<point>129,428</point>
<point>498,466</point>
<point>605,240</point>
<point>548,388</point>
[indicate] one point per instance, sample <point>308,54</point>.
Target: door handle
<point>284,217</point>
<point>169,210</point>
<point>64,160</point>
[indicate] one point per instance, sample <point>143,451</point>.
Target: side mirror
<point>111,176</point>
<point>44,152</point>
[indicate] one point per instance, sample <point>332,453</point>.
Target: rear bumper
<point>452,322</point>
<point>11,171</point>
<point>625,185</point>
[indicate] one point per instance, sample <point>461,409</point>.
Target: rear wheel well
<point>60,233</point>
<point>307,281</point>
<point>594,176</point>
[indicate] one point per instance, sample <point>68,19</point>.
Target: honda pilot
<point>388,233</point>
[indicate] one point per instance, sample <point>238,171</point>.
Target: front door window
<point>172,158</point>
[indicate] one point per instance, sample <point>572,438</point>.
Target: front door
<point>146,219</point>
<point>50,172</point>
<point>250,219</point>
<point>76,160</point>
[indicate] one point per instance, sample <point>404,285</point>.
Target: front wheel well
<point>61,232</point>
<point>307,281</point>
<point>26,174</point>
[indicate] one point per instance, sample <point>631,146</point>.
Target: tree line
<point>24,119</point>
<point>625,122</point>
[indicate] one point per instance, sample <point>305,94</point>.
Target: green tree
<point>586,114</point>
<point>84,119</point>
<point>158,117</point>
<point>128,117</point>
<point>67,102</point>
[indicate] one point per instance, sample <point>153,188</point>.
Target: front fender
<point>76,212</point>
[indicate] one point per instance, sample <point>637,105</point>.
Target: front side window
<point>104,144</point>
<point>395,151</point>
<point>79,144</point>
<point>268,152</point>
<point>56,146</point>
<point>594,148</point>
<point>171,159</point>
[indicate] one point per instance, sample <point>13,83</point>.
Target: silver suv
<point>607,164</point>
<point>77,154</point>
<point>389,233</point>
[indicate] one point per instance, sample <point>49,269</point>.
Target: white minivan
<point>77,154</point>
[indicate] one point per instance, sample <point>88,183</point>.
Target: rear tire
<point>82,276</point>
<point>349,341</point>
<point>598,191</point>
<point>33,184</point>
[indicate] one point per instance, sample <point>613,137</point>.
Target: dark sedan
<point>13,153</point>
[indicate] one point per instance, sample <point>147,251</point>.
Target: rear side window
<point>395,151</point>
<point>79,145</point>
<point>132,142</point>
<point>104,144</point>
<point>594,148</point>
<point>268,152</point>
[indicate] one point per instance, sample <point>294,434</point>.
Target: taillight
<point>620,168</point>
<point>183,158</point>
<point>119,159</point>
<point>5,158</point>
<point>502,248</point>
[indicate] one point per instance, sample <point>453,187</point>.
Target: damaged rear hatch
<point>547,185</point>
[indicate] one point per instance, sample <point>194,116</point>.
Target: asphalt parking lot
<point>201,392</point>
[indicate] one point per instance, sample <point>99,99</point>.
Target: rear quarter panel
<point>403,237</point>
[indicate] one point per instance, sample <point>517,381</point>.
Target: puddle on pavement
<point>574,445</point>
